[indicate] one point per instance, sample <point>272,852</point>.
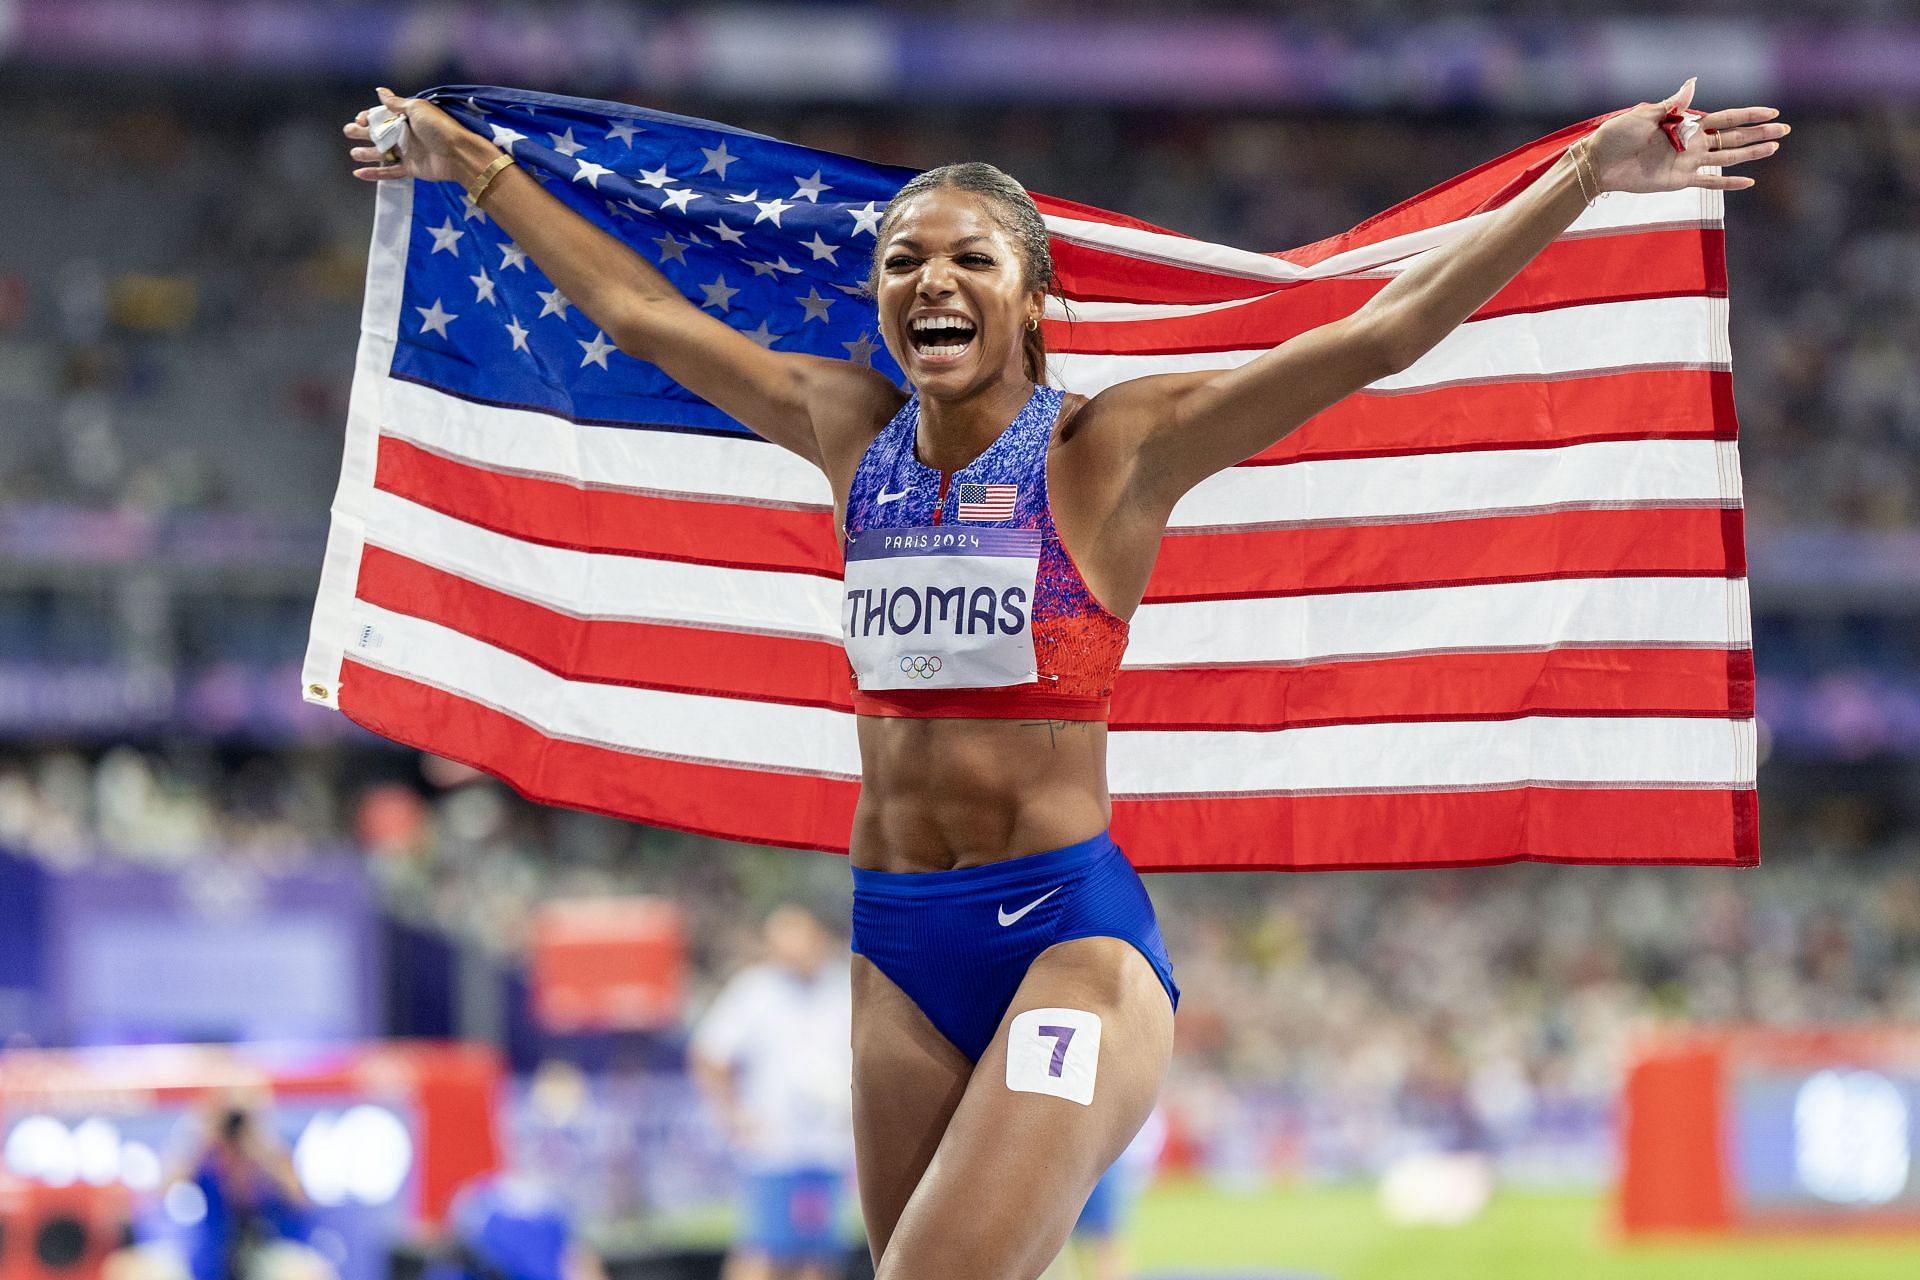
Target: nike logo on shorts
<point>1007,918</point>
<point>891,497</point>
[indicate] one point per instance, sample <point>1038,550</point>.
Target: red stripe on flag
<point>1583,271</point>
<point>647,655</point>
<point>1615,543</point>
<point>755,805</point>
<point>1441,686</point>
<point>1668,827</point>
<point>1087,273</point>
<point>555,513</point>
<point>1667,404</point>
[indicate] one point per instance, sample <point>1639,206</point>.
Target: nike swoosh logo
<point>891,497</point>
<point>1007,918</point>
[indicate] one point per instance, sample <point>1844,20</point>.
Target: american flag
<point>1493,607</point>
<point>987,501</point>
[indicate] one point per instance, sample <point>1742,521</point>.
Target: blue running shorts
<point>958,943</point>
<point>793,1217</point>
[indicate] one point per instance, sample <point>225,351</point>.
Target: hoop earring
<point>1033,322</point>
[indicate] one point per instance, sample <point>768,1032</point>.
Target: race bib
<point>940,607</point>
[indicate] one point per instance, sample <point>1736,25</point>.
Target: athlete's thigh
<point>907,1080</point>
<point>1016,1165</point>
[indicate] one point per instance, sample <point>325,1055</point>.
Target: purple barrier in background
<point>851,53</point>
<point>231,703</point>
<point>217,951</point>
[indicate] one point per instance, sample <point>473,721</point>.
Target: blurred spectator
<point>511,1228</point>
<point>774,1058</point>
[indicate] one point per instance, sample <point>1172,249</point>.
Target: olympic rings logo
<point>920,666</point>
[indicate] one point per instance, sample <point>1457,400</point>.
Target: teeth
<point>941,322</point>
<point>941,351</point>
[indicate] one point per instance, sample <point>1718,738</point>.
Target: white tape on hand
<point>1054,1051</point>
<point>388,132</point>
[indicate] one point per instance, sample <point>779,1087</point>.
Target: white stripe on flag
<point>1646,333</point>
<point>665,462</point>
<point>1493,616</point>
<point>1600,474</point>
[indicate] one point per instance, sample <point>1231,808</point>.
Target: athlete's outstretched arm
<point>786,397</point>
<point>1193,425</point>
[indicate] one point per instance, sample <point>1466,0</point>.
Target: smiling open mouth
<point>941,336</point>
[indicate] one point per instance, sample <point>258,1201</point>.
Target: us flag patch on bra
<point>987,501</point>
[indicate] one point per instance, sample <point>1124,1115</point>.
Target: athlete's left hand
<point>1631,152</point>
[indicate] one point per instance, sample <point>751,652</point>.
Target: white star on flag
<point>637,208</point>
<point>717,159</point>
<point>860,350</point>
<point>671,250</point>
<point>591,173</point>
<point>867,219</point>
<point>763,335</point>
<point>625,131</point>
<point>556,303</point>
<point>446,237</point>
<point>483,288</point>
<point>727,233</point>
<point>810,188</point>
<point>597,350</point>
<point>679,198</point>
<point>504,138</point>
<point>815,306</point>
<point>512,255</point>
<point>519,335</point>
<point>718,294</point>
<point>770,209</point>
<point>821,249</point>
<point>433,319</point>
<point>472,210</point>
<point>565,145</point>
<point>748,198</point>
<point>655,177</point>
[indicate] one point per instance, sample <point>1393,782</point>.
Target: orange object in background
<point>608,964</point>
<point>1765,1130</point>
<point>59,1233</point>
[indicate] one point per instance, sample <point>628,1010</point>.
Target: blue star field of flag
<point>774,239</point>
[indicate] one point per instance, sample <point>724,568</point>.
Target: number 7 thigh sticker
<point>1054,1051</point>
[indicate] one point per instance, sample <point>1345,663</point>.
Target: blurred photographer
<point>254,1203</point>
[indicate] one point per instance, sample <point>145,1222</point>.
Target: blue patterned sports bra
<point>960,599</point>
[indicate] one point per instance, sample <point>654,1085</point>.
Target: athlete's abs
<point>937,794</point>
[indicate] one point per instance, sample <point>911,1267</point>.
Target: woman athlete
<point>1013,1006</point>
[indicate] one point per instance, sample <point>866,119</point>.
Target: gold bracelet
<point>1579,174</point>
<point>1586,159</point>
<point>478,187</point>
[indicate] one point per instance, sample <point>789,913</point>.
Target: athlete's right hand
<point>439,149</point>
